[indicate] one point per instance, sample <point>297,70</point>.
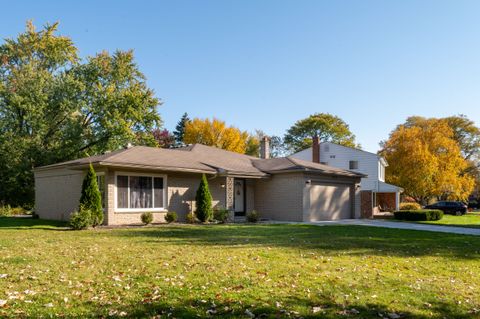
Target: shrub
<point>91,198</point>
<point>147,218</point>
<point>81,220</point>
<point>220,215</point>
<point>203,200</point>
<point>419,215</point>
<point>171,217</point>
<point>410,206</point>
<point>191,218</point>
<point>8,210</point>
<point>5,210</point>
<point>18,211</point>
<point>252,217</point>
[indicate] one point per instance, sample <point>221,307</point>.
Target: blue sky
<point>265,64</point>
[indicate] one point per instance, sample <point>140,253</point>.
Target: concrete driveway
<point>401,225</point>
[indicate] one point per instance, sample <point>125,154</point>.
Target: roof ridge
<point>292,160</point>
<point>353,148</point>
<point>298,161</point>
<point>120,151</point>
<point>197,145</point>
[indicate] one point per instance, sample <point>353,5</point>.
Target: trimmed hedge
<point>171,217</point>
<point>221,215</point>
<point>147,218</point>
<point>253,216</point>
<point>81,220</point>
<point>419,214</point>
<point>410,206</point>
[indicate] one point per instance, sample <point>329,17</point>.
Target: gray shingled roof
<point>202,159</point>
<point>283,164</point>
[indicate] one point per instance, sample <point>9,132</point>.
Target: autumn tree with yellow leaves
<point>215,133</point>
<point>426,160</point>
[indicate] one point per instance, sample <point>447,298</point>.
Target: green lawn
<point>471,220</point>
<point>231,270</point>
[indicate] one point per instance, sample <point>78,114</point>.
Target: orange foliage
<point>215,133</point>
<point>426,161</point>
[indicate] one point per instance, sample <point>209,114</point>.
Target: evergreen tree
<point>180,128</point>
<point>203,198</point>
<point>91,198</point>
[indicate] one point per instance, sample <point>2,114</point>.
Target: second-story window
<point>353,165</point>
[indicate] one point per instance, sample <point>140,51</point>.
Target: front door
<point>239,189</point>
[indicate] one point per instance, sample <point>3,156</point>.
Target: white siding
<point>340,156</point>
<point>381,172</point>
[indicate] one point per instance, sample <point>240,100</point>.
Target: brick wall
<point>280,197</point>
<point>366,204</point>
<point>387,201</point>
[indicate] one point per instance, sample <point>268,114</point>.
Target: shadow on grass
<point>353,240</point>
<point>31,223</point>
<point>191,308</point>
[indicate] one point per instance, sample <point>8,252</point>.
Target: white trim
<point>140,210</point>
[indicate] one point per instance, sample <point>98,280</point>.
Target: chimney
<point>315,149</point>
<point>265,147</point>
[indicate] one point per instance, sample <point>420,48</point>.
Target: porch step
<point>240,219</point>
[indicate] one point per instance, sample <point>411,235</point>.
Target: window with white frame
<point>140,192</point>
<point>381,173</point>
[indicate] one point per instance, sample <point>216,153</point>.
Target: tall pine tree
<point>180,128</point>
<point>203,198</point>
<point>91,198</point>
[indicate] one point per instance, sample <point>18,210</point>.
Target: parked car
<point>473,204</point>
<point>450,207</point>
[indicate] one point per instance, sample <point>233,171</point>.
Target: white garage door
<point>330,202</point>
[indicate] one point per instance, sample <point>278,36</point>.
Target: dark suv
<point>455,208</point>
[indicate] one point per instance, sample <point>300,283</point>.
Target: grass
<point>469,220</point>
<point>234,270</point>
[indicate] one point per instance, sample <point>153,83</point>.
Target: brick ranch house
<point>140,179</point>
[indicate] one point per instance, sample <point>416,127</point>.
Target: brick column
<point>366,204</point>
<point>229,198</point>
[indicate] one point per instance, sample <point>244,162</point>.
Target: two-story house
<point>385,197</point>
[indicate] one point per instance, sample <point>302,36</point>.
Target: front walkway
<point>401,225</point>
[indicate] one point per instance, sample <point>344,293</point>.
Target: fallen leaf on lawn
<point>316,309</point>
<point>249,314</point>
<point>3,303</point>
<point>211,312</point>
<point>29,292</point>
